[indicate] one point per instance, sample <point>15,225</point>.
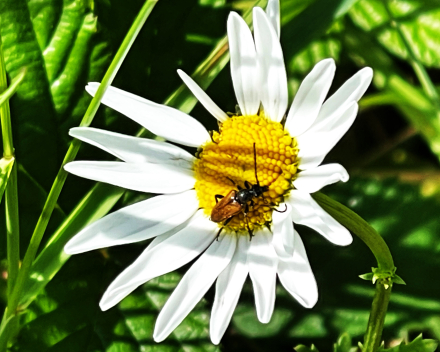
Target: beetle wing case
<point>226,208</point>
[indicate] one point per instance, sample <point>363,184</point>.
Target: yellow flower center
<point>225,164</point>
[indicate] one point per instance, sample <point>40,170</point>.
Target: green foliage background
<point>392,153</point>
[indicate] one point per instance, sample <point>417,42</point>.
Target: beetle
<point>237,201</point>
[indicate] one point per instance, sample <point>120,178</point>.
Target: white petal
<point>162,120</point>
<point>137,222</point>
<point>306,211</point>
<point>297,277</point>
<point>194,284</point>
<point>202,97</point>
<point>165,253</point>
<point>312,180</point>
<point>227,290</point>
<point>134,149</point>
<point>152,178</point>
<point>272,70</point>
<point>282,229</point>
<point>263,262</point>
<point>314,146</point>
<point>244,65</point>
<point>310,96</point>
<point>351,91</point>
<point>273,13</point>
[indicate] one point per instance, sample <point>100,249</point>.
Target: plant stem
<point>11,194</point>
<point>71,154</point>
<point>377,317</point>
<point>382,253</point>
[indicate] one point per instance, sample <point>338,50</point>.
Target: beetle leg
<point>247,185</point>
<point>211,134</point>
<point>227,222</point>
<point>218,233</point>
<point>251,234</point>
<point>221,229</point>
<point>246,210</point>
<point>279,211</point>
<point>217,197</point>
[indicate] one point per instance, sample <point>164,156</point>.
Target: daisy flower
<point>289,148</point>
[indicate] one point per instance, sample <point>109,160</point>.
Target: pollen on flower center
<point>230,157</point>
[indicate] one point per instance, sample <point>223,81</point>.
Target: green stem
<point>71,154</point>
<point>377,318</point>
<point>11,195</point>
<point>417,66</point>
<point>385,263</point>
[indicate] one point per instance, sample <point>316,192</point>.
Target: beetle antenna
<point>255,165</point>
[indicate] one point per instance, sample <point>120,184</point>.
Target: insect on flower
<point>237,201</point>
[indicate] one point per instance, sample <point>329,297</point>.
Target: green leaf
<point>31,106</point>
<point>419,21</point>
<point>417,345</point>
<point>398,280</point>
<point>367,276</point>
<point>5,171</point>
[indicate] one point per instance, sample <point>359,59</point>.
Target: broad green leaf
<point>417,345</point>
<point>314,52</point>
<point>31,107</point>
<point>5,171</point>
<point>419,21</point>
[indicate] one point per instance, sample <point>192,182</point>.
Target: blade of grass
<point>9,92</point>
<point>5,171</point>
<point>11,198</point>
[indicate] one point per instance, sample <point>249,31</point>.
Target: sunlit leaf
<point>419,21</point>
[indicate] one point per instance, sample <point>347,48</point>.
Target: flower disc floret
<point>230,157</point>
